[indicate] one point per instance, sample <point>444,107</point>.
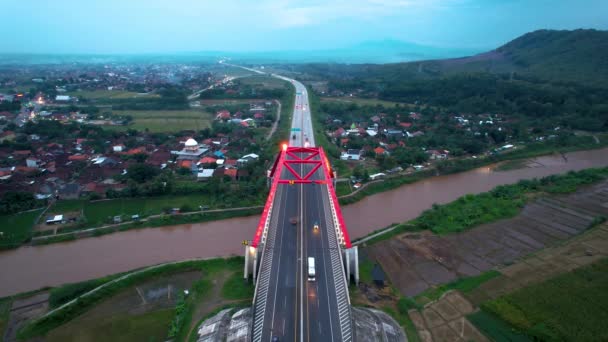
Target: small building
<point>205,174</point>
<point>118,148</point>
<point>377,176</point>
<point>54,219</point>
<point>63,98</point>
<point>351,154</point>
<point>247,158</point>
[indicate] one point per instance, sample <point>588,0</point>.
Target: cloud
<point>288,14</point>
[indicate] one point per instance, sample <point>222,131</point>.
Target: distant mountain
<point>578,56</point>
<point>379,51</point>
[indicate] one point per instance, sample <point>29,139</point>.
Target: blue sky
<point>155,26</point>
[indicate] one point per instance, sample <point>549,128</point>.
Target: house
<point>414,116</point>
<point>375,119</point>
<point>78,157</point>
<point>223,115</point>
<point>232,173</point>
<point>207,161</point>
<point>351,154</point>
<point>247,158</point>
<point>258,116</point>
<point>393,133</point>
<point>377,176</point>
<point>62,98</point>
<point>340,132</point>
<point>219,154</point>
<point>380,151</point>
<point>118,148</point>
<point>415,134</point>
<point>32,162</point>
<point>405,124</point>
<point>205,174</point>
<point>185,163</point>
<point>435,154</point>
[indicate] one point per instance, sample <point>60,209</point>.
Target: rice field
<point>166,120</point>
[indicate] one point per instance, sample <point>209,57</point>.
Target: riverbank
<point>51,265</point>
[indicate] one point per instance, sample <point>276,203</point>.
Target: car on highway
<point>316,226</point>
<point>293,137</point>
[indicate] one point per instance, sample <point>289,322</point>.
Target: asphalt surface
<point>297,309</point>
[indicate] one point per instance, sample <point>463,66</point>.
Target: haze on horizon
<point>155,26</point>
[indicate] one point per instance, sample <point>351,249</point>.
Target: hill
<point>579,56</point>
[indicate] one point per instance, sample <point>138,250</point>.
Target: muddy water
<point>409,201</point>
<point>29,268</point>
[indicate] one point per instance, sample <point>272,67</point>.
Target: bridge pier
<point>251,261</point>
<point>351,260</point>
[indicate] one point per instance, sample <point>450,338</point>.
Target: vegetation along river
<point>29,268</point>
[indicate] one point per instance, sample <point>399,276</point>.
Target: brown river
<point>30,268</point>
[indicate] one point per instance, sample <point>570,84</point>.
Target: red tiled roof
<point>78,157</point>
<point>22,153</point>
<point>405,124</point>
<point>137,150</point>
<point>230,172</point>
<point>185,164</point>
<point>207,160</point>
<point>230,162</point>
<point>379,150</point>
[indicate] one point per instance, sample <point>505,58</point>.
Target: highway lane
<point>295,308</point>
<point>321,306</point>
<point>280,316</point>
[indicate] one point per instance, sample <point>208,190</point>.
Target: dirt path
<point>275,124</point>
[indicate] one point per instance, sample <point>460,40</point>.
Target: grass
<point>5,306</point>
<point>47,323</point>
<point>166,120</point>
<point>404,321</point>
<point>496,329</point>
<point>570,307</point>
<point>237,288</point>
<point>509,165</point>
<point>365,271</point>
<point>151,326</point>
<point>362,101</point>
<point>502,202</point>
<point>267,82</point>
<point>464,285</point>
<point>17,228</point>
<point>102,212</point>
<point>109,94</point>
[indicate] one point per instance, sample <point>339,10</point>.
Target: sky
<point>156,26</point>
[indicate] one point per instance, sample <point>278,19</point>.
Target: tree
<point>141,173</point>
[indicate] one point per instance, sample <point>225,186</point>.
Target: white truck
<point>311,269</point>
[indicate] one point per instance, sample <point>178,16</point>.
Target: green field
<point>101,212</point>
<point>496,329</point>
<point>17,228</point>
<point>110,94</point>
<point>464,285</point>
<point>151,326</point>
<point>265,81</point>
<point>569,307</point>
<point>237,288</point>
<point>166,120</point>
<point>362,102</point>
